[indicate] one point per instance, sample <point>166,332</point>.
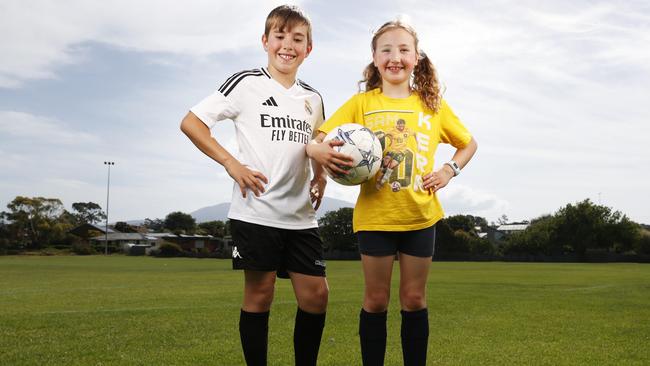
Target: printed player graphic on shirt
<point>396,140</point>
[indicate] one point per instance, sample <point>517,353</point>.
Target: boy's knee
<point>319,298</point>
<point>258,298</point>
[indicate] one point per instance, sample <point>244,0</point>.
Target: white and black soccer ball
<point>364,147</point>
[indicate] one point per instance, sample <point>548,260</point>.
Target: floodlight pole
<point>108,189</point>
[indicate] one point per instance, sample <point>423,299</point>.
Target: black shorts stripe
<point>231,83</point>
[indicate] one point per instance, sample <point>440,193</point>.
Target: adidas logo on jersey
<point>270,102</point>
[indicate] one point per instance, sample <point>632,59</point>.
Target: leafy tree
<point>167,249</point>
<point>538,238</point>
<point>34,221</point>
<point>458,235</point>
<point>466,223</point>
<point>4,234</point>
<point>180,223</point>
<point>502,220</point>
<point>88,212</point>
<point>471,243</point>
<point>643,244</point>
<point>124,227</point>
<point>215,228</point>
<point>336,230</point>
<point>588,226</point>
<point>450,241</point>
<point>576,228</point>
<point>155,225</point>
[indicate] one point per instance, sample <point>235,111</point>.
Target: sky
<point>556,94</point>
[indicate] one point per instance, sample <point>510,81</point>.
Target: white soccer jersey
<point>273,124</point>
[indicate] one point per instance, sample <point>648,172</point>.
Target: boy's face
<point>287,49</point>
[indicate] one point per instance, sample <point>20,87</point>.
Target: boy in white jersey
<point>272,219</point>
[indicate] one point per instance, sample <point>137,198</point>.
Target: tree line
<point>34,223</point>
<point>574,230</point>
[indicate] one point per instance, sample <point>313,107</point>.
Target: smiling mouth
<point>394,68</point>
<point>286,57</point>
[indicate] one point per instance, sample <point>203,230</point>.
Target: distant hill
<point>220,211</point>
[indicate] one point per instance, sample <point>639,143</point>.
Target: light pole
<point>108,189</point>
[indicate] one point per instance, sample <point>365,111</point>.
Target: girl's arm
<point>324,155</point>
<point>440,178</point>
<point>200,136</point>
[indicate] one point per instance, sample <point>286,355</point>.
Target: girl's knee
<point>412,300</point>
<point>376,301</point>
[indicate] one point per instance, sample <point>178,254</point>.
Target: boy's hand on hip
<point>246,178</point>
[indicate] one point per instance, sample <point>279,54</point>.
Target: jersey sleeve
<point>217,107</point>
<point>320,116</point>
<point>453,131</point>
<point>347,113</point>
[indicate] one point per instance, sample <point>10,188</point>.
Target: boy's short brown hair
<point>287,16</point>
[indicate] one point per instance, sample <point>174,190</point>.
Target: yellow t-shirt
<point>401,204</point>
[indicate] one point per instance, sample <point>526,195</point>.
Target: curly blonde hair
<point>424,79</point>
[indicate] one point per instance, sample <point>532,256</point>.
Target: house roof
<point>123,237</point>
<point>117,236</point>
<point>512,227</point>
<point>83,229</point>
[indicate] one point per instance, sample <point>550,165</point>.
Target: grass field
<point>149,311</point>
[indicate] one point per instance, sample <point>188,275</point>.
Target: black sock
<point>415,336</point>
<point>307,334</point>
<point>372,334</point>
<point>254,333</point>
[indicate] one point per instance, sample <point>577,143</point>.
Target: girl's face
<point>395,56</point>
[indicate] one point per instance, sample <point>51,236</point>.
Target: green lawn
<point>149,311</point>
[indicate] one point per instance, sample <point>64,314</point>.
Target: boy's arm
<point>200,136</point>
<point>317,184</point>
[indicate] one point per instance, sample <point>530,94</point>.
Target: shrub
<point>81,248</point>
<point>643,244</point>
<point>170,250</point>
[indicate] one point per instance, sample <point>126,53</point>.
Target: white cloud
<point>461,199</point>
<point>555,92</point>
<point>40,35</point>
<point>40,129</point>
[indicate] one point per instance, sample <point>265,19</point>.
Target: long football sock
<point>307,334</point>
<point>372,334</point>
<point>254,333</point>
<point>415,336</point>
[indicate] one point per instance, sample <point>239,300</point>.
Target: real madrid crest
<point>308,108</point>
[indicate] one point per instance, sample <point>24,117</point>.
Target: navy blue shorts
<point>264,248</point>
<point>418,243</point>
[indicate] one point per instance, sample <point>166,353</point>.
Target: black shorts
<point>264,248</point>
<point>418,243</point>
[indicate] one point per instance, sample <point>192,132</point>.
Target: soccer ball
<point>364,147</point>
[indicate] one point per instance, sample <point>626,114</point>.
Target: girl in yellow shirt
<point>396,212</point>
